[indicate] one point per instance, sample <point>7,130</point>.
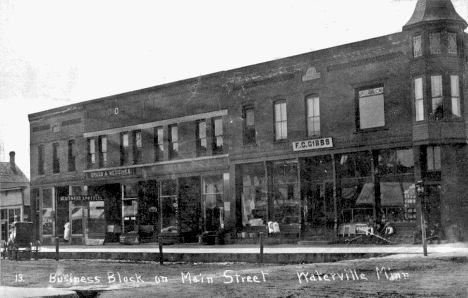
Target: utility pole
<point>421,199</point>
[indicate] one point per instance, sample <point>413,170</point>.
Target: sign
<point>111,173</point>
<point>311,74</point>
<point>313,144</point>
<point>81,198</point>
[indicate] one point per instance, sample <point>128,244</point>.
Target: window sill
<point>282,141</point>
<point>375,129</point>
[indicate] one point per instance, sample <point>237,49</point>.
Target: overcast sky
<point>58,52</point>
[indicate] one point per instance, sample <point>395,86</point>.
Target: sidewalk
<point>16,292</point>
<point>243,253</point>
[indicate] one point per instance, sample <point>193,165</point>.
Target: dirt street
<point>393,276</point>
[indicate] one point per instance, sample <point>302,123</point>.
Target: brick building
<point>14,196</point>
<point>312,142</point>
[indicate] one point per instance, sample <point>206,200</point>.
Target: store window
<point>201,138</point>
<point>40,160</point>
<point>91,152</point>
<point>417,46</point>
<point>371,110</point>
<point>55,158</point>
<point>437,97</point>
<point>452,43</point>
<point>169,207</point>
<point>455,91</point>
<point>254,195</point>
<point>419,99</point>
<point>249,125</point>
<point>48,212</point>
<point>77,212</point>
<point>213,205</point>
<point>433,158</point>
<point>173,141</point>
<point>434,43</point>
<point>281,120</point>
<point>218,137</point>
<point>313,116</point>
<point>130,208</point>
<point>124,149</point>
<point>158,144</point>
<point>137,147</point>
<point>286,192</point>
<point>102,151</point>
<point>71,156</point>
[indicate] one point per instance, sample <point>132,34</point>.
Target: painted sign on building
<point>313,144</point>
<point>84,198</point>
<point>111,173</point>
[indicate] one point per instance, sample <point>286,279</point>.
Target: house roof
<point>7,175</point>
<point>434,10</point>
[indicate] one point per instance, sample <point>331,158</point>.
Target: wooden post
<point>160,242</point>
<point>261,247</point>
<point>57,257</point>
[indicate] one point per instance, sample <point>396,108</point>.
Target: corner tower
<point>437,55</point>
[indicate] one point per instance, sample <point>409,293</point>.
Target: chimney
<point>12,161</point>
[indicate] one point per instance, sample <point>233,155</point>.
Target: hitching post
<point>261,246</point>
<point>420,193</point>
<point>57,248</point>
<point>160,241</point>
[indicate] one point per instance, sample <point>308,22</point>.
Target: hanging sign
<point>81,198</point>
<point>313,144</point>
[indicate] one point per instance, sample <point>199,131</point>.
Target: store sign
<point>112,173</point>
<point>313,144</point>
<point>81,198</point>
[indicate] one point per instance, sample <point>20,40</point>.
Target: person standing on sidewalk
<point>66,233</point>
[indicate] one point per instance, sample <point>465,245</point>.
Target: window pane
<point>138,139</point>
<point>434,40</point>
<point>249,117</point>
<point>418,88</point>
<point>371,111</point>
<point>92,146</point>
<point>437,105</point>
<point>436,86</point>
<point>455,86</point>
<point>417,52</point>
<point>202,129</point>
<point>456,106</point>
<point>437,158</point>
<point>174,134</point>
<point>218,127</point>
<point>419,110</point>
<point>160,136</point>
<point>277,112</point>
<point>452,43</point>
<point>430,158</point>
<point>104,144</point>
<point>125,140</point>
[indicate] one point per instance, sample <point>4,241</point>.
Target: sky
<point>59,52</point>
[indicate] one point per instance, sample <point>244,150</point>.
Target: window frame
<point>309,118</point>
<point>40,160</point>
<point>158,141</point>
<point>455,96</point>
<point>437,112</point>
<point>173,144</point>
<point>283,122</point>
<point>456,43</point>
<point>201,138</point>
<point>91,158</point>
<point>217,149</point>
<point>71,156</point>
<point>102,151</point>
<point>420,100</point>
<point>433,164</point>
<point>137,146</point>
<point>437,50</point>
<point>249,131</point>
<point>124,150</point>
<point>55,158</point>
<point>415,37</point>
<point>358,120</point>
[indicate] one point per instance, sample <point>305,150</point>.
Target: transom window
<point>371,111</point>
<point>281,121</point>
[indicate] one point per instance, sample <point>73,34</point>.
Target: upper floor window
<point>281,120</point>
<point>437,96</point>
<point>419,99</point>
<point>102,151</point>
<point>313,116</point>
<point>137,147</point>
<point>40,160</point>
<point>71,156</point>
<point>158,144</point>
<point>173,141</point>
<point>455,92</point>
<point>124,147</point>
<point>371,110</point>
<point>249,125</point>
<point>218,141</point>
<point>452,43</point>
<point>55,158</point>
<point>434,43</point>
<point>91,152</point>
<point>433,158</point>
<point>201,138</point>
<point>417,46</point>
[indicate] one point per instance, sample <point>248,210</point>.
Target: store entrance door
<point>320,209</point>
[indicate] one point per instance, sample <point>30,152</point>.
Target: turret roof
<point>434,10</point>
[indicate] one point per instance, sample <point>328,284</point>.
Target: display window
<point>213,205</point>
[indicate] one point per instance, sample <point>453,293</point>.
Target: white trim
<point>156,123</point>
<point>160,163</point>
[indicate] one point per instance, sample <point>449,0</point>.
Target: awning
<point>391,194</point>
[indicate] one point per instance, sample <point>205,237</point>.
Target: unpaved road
<point>442,275</point>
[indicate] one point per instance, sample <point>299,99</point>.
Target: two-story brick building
<point>311,142</point>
